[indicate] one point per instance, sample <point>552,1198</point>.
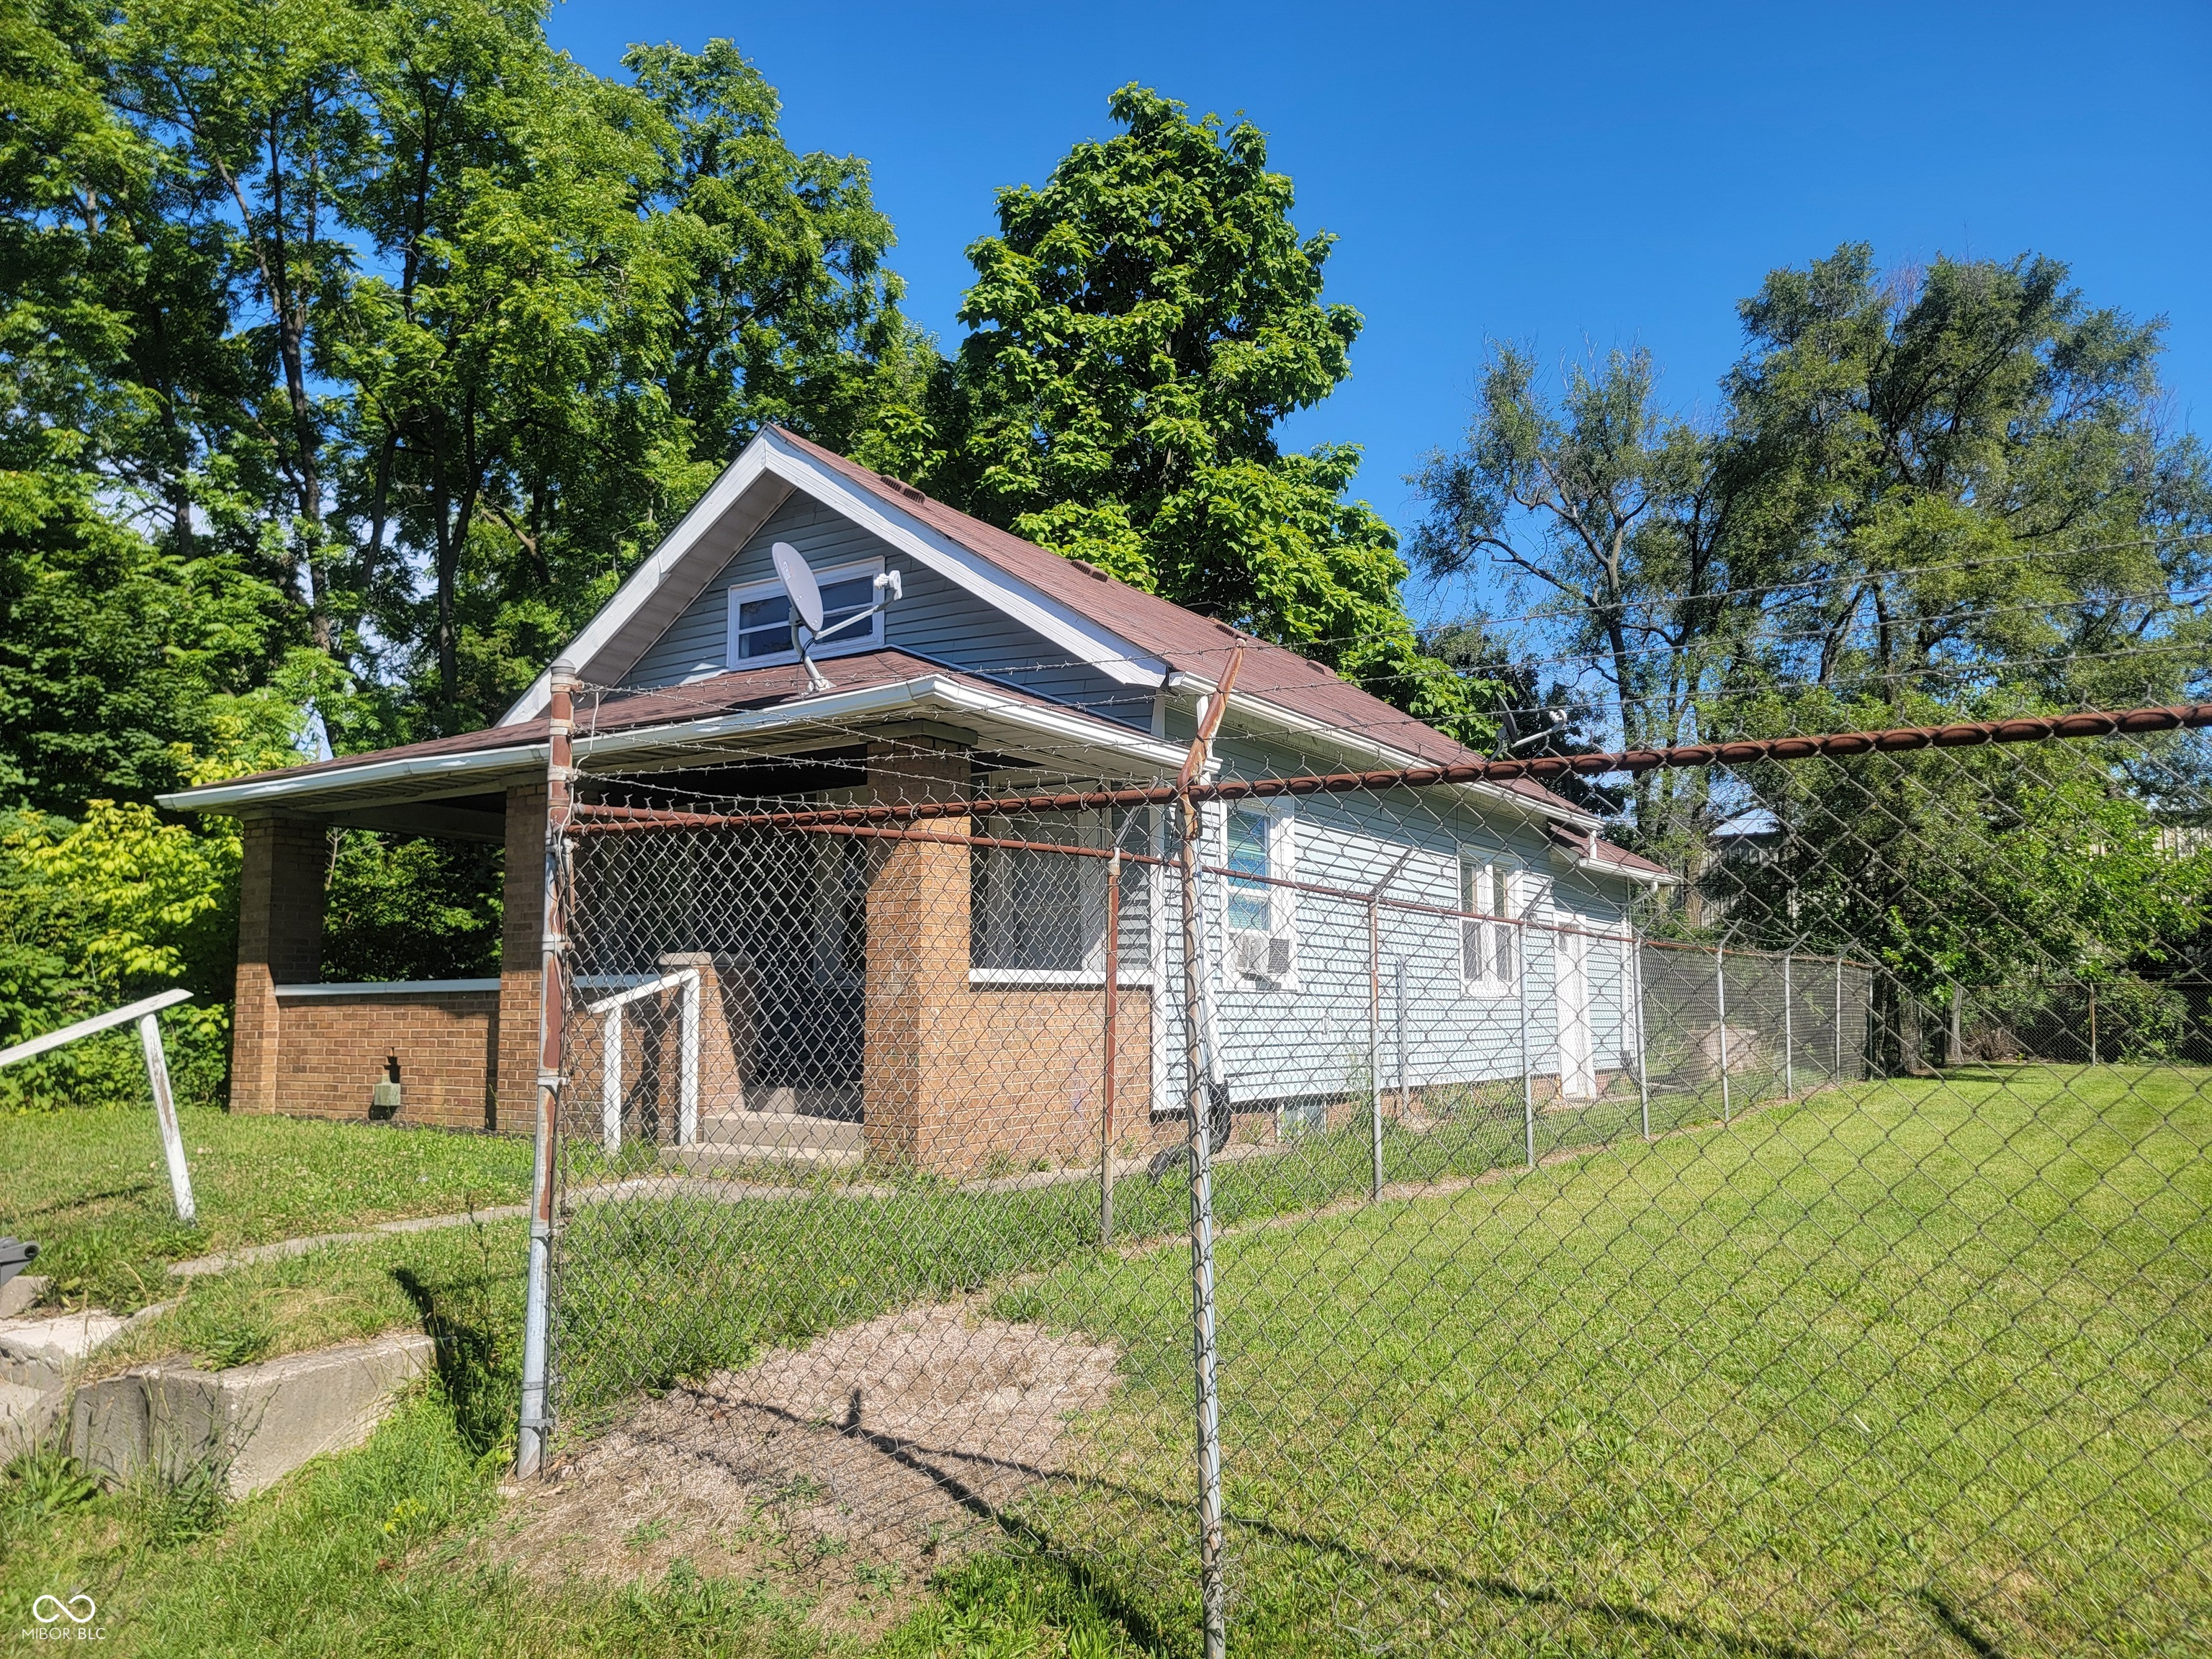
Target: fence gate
<point>1328,1215</point>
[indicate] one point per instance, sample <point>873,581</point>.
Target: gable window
<point>761,630</point>
<point>1490,946</point>
<point>1262,915</point>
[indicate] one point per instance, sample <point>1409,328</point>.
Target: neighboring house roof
<point>1130,635</point>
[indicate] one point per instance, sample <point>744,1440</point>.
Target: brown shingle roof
<point>1190,643</point>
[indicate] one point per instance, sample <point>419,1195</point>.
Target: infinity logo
<point>48,1608</point>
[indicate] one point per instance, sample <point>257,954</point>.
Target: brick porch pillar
<point>916,981</point>
<point>513,1102</point>
<point>280,942</point>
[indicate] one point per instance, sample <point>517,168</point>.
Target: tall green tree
<point>1138,330</point>
<point>507,352</point>
<point>788,313</point>
<point>1996,497</point>
<point>350,354</point>
<point>123,633</point>
<point>1919,492</point>
<point>1643,545</point>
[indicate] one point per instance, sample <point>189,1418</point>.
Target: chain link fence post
<point>535,1427</point>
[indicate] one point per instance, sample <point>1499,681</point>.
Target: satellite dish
<point>797,578</point>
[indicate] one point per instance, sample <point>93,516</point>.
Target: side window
<point>1039,917</point>
<point>1251,834</point>
<point>1489,946</point>
<point>1262,914</point>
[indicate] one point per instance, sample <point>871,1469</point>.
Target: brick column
<point>514,1104</point>
<point>916,981</point>
<point>280,942</point>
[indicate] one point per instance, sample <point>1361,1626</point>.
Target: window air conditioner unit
<point>1262,955</point>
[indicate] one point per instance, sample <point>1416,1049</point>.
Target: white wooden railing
<point>610,1010</point>
<point>144,1011</point>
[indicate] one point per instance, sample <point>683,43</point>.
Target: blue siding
<point>936,618</point>
<point>1310,1035</point>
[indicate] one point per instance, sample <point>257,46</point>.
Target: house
<point>940,996</point>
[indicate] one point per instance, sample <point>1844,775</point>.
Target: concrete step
<point>841,1100</point>
<point>771,1136</point>
<point>26,1414</point>
<point>253,1425</point>
<point>39,1359</point>
<point>45,1353</point>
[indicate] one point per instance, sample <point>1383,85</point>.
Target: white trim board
<point>283,786</point>
<point>383,987</point>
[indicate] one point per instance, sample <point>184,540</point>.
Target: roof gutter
<point>249,792</point>
<point>1597,866</point>
<point>857,703</point>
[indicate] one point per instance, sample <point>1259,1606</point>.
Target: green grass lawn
<point>1902,1368</point>
<point>1914,1367</point>
<point>656,1287</point>
<point>90,1185</point>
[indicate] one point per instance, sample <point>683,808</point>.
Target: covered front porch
<point>733,995</point>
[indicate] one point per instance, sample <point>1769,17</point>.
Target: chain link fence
<point>1322,1215</point>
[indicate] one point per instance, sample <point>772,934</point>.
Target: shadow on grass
<point>1955,1622</point>
<point>1100,1590</point>
<point>475,1370</point>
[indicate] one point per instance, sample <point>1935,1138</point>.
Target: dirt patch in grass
<point>859,1464</point>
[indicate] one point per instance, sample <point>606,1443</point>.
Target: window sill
<point>1048,978</point>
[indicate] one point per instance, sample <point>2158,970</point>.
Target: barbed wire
<point>1589,1266</point>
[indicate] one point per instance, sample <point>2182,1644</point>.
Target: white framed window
<point>761,631</point>
<point>1489,945</point>
<point>1260,850</point>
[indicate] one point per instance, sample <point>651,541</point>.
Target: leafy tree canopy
<point>1139,327</point>
<point>350,354</point>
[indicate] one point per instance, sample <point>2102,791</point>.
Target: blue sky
<point>1563,173</point>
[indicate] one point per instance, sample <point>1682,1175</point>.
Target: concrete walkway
<point>720,1192</point>
<point>284,1247</point>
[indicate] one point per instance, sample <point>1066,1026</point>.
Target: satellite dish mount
<point>806,614</point>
